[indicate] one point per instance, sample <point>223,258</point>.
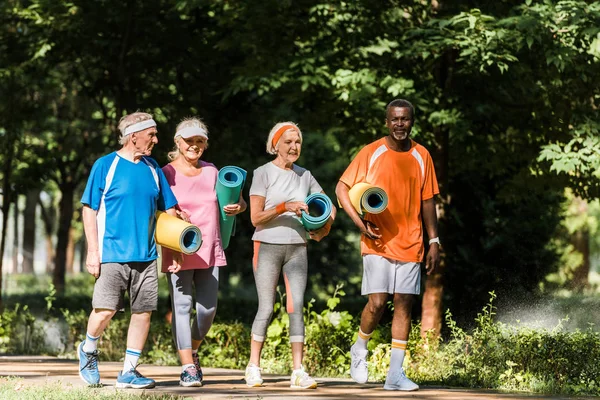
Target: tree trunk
<point>6,200</point>
<point>71,251</point>
<point>15,249</point>
<point>65,216</point>
<point>48,214</point>
<point>432,306</point>
<point>581,242</point>
<point>29,225</point>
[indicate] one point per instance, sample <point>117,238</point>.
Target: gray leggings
<point>269,261</point>
<point>206,283</point>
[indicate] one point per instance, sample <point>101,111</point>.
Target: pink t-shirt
<point>196,196</point>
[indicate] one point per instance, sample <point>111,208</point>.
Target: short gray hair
<point>129,120</point>
<point>190,122</point>
<point>272,149</point>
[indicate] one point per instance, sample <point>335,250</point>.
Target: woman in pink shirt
<point>193,182</point>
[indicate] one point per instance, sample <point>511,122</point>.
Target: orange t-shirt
<point>408,178</point>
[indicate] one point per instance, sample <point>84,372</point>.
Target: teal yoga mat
<point>230,182</point>
<point>319,211</point>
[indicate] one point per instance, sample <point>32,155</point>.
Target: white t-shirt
<point>278,185</point>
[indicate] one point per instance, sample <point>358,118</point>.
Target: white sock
<point>131,359</point>
<point>186,366</point>
<point>398,352</point>
<point>91,343</point>
<point>362,340</point>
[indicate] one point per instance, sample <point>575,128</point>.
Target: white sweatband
<point>139,126</point>
<point>191,131</point>
<point>434,240</point>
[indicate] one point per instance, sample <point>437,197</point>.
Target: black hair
<point>403,104</point>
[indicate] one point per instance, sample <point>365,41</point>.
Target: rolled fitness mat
<point>176,234</point>
<point>367,198</point>
<point>319,211</point>
<point>230,182</point>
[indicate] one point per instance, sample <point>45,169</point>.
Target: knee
<point>103,314</point>
<point>264,314</point>
<point>206,313</point>
<point>182,305</point>
<point>143,317</point>
<point>376,305</point>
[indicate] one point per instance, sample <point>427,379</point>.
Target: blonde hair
<point>190,122</point>
<point>129,120</point>
<point>272,149</point>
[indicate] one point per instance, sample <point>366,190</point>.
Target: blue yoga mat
<point>319,211</point>
<point>230,182</point>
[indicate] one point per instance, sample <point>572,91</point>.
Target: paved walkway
<point>228,384</point>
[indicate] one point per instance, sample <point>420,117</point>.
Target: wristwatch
<point>435,240</point>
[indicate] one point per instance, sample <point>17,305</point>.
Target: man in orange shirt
<point>392,241</point>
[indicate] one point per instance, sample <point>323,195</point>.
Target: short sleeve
<point>95,186</point>
<point>166,198</point>
<point>430,187</point>
<point>314,185</point>
<point>357,170</point>
<point>169,172</point>
<point>259,183</point>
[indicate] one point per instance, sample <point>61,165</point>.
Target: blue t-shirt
<point>126,196</point>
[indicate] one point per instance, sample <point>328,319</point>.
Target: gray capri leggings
<point>206,283</point>
<point>269,261</point>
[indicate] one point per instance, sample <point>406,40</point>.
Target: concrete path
<point>229,384</point>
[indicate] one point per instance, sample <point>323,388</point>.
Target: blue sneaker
<point>88,365</point>
<point>133,379</point>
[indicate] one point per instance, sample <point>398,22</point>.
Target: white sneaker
<point>397,380</point>
<point>301,380</point>
<point>253,377</point>
<point>359,370</point>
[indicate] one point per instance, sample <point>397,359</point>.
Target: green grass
<point>19,389</point>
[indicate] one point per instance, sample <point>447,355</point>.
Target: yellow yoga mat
<point>367,198</point>
<point>176,234</point>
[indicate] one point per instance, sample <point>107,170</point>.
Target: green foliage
<point>19,332</point>
<point>500,356</point>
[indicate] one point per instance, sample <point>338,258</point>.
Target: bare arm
<point>260,216</point>
<point>366,228</point>
<point>233,209</point>
<point>432,260</point>
<point>177,257</point>
<point>90,227</point>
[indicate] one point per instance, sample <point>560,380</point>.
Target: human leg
<point>268,259</point>
<point>295,271</point>
<point>143,293</point>
<point>206,283</point>
<point>109,290</point>
<point>408,278</point>
<point>375,284</point>
<point>180,289</point>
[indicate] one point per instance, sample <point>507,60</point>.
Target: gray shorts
<point>140,279</point>
<point>382,275</point>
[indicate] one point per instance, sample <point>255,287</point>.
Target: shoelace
<point>192,372</point>
<point>254,372</point>
<point>301,377</point>
<point>92,361</point>
<point>358,361</point>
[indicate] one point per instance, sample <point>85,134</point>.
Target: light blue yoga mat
<point>230,182</point>
<point>319,211</point>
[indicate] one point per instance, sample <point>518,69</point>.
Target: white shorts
<point>382,275</point>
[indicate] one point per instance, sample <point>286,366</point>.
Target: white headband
<point>139,126</point>
<point>191,131</point>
